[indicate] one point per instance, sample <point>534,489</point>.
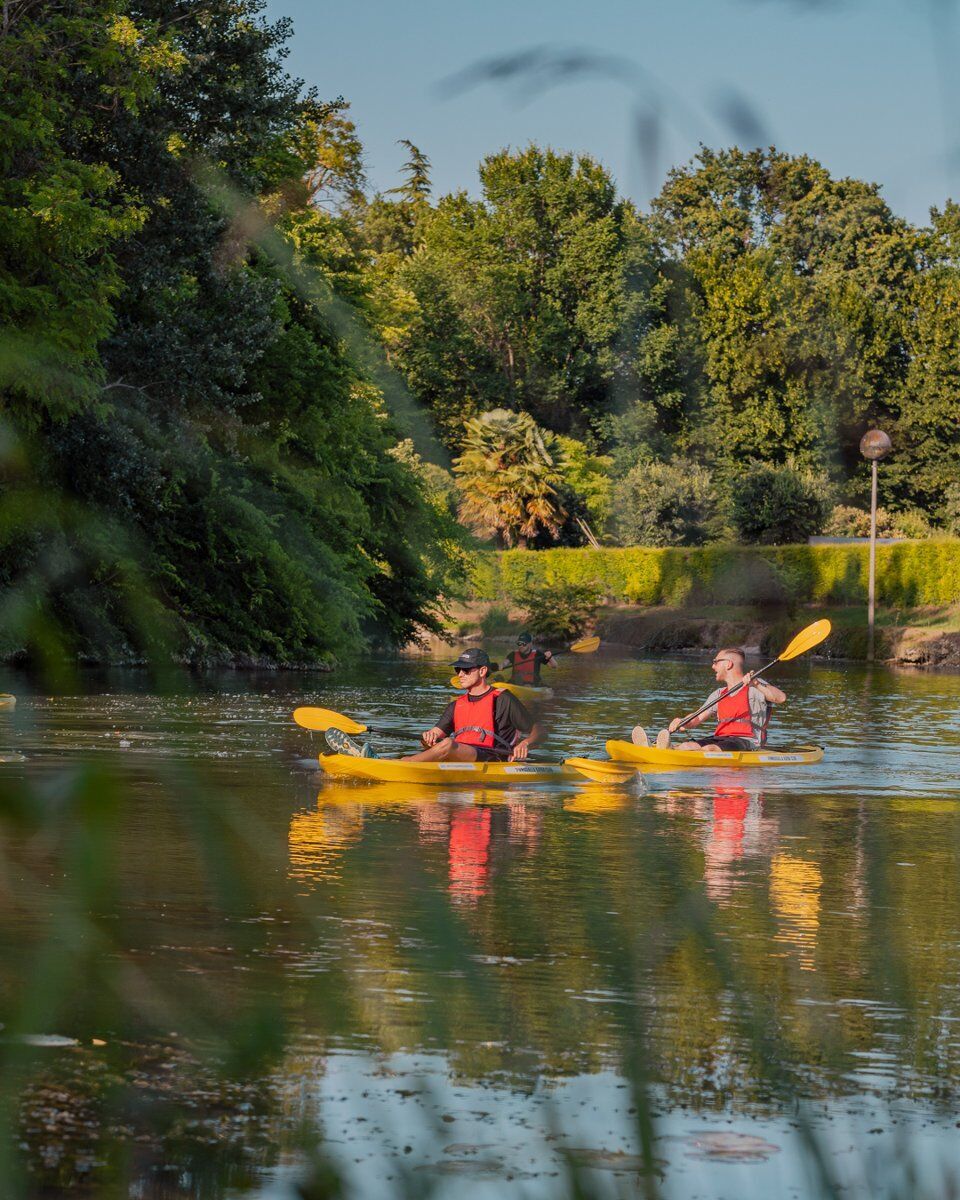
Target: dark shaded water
<point>716,984</point>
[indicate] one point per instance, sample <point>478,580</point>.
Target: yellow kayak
<point>627,752</point>
<point>395,770</point>
<point>7,701</point>
<point>526,695</point>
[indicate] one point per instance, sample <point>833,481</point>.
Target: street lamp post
<point>874,445</point>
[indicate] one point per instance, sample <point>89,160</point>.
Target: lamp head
<point>875,444</point>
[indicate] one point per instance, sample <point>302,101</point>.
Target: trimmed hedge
<point>909,574</point>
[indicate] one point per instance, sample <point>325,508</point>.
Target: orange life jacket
<point>473,721</point>
<point>525,667</point>
<point>733,715</point>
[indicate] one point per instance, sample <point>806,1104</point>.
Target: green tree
<point>779,505</point>
<point>416,187</point>
<point>586,476</point>
<point>800,284</point>
<point>230,405</point>
<point>666,504</point>
<point>63,216</point>
<point>926,427</point>
<point>518,296</point>
<point>508,479</point>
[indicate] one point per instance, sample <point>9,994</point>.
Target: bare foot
<point>639,736</point>
<point>663,739</point>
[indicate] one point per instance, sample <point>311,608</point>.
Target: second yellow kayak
<point>627,752</point>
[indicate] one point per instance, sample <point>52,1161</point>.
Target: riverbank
<point>922,637</point>
<point>933,641</point>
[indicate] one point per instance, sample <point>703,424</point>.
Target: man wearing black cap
<point>526,661</point>
<point>485,724</point>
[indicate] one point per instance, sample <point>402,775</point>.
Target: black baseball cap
<point>523,639</point>
<point>474,658</point>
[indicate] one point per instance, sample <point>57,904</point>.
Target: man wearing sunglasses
<point>485,724</point>
<point>526,661</point>
<point>741,705</point>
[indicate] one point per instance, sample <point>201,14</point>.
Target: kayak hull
<point>482,774</point>
<point>682,759</point>
<point>526,695</point>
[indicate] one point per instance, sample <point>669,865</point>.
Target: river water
<point>223,975</point>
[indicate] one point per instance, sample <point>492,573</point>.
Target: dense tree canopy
<point>179,356</point>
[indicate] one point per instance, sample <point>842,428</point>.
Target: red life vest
<point>473,722</point>
<point>733,715</point>
<point>525,667</point>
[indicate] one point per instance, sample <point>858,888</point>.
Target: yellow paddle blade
<point>326,718</point>
<point>585,646</point>
<point>806,639</point>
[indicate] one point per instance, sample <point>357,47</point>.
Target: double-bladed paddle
<point>322,719</point>
<point>805,640</point>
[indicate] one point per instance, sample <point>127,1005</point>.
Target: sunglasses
<point>717,661</point>
<point>466,670</point>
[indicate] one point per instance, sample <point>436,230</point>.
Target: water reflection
<point>795,885</point>
<point>563,893</point>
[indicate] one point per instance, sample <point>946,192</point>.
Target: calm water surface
<point>717,984</point>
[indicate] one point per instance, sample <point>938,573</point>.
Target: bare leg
<point>446,750</point>
<point>709,748</point>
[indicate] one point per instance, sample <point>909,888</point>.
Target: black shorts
<point>728,743</point>
<point>487,754</point>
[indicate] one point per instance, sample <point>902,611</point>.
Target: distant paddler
<point>525,662</point>
<point>485,724</point>
<point>742,707</point>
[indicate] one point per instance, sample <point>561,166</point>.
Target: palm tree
<point>507,479</point>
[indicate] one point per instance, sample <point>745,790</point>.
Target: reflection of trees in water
<point>593,939</point>
<point>687,910</point>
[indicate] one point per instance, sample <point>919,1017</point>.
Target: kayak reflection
<point>470,838</point>
<point>737,834</point>
<point>477,829</point>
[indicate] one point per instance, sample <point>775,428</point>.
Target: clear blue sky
<point>857,85</point>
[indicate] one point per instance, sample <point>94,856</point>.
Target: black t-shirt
<point>509,718</point>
